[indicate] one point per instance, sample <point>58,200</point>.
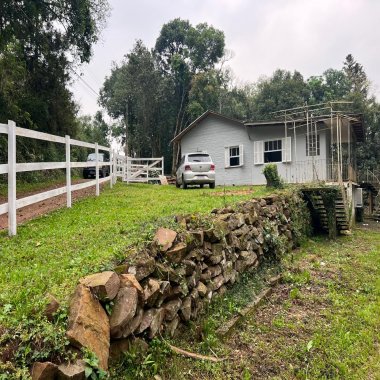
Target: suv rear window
<point>198,158</point>
<point>92,157</point>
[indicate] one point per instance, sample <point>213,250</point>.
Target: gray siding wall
<point>212,135</point>
<point>302,168</point>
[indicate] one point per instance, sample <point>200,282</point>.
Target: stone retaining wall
<point>168,282</point>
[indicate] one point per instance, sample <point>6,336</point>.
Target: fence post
<point>12,217</point>
<point>128,169</point>
<point>97,169</point>
<point>68,172</point>
<point>124,164</point>
<point>114,168</point>
<point>111,168</point>
<point>163,169</point>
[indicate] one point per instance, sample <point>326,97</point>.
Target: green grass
<point>51,253</point>
<point>322,322</point>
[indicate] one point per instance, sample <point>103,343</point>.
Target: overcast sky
<point>305,35</point>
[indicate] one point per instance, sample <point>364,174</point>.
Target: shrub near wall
<point>168,282</point>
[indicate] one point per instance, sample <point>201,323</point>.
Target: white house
<point>313,147</point>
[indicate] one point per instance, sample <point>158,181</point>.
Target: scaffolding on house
<point>340,166</point>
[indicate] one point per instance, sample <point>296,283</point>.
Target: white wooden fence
<point>116,163</point>
<point>144,169</point>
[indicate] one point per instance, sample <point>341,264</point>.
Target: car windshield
<point>199,158</point>
<point>92,157</point>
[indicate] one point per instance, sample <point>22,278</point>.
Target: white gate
<point>144,169</point>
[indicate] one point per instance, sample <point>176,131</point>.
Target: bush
<point>272,176</point>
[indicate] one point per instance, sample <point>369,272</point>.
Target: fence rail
<point>117,165</point>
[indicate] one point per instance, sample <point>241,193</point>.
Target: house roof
<point>356,121</point>
<point>197,121</point>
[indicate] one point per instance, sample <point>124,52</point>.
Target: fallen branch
<point>195,356</point>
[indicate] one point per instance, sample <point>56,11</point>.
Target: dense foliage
<point>41,45</point>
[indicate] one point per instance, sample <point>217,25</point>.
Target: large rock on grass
<point>177,253</point>
<point>44,371</point>
<point>104,285</point>
<point>123,311</point>
<point>142,266</point>
<point>72,371</point>
<point>164,238</point>
<point>88,325</point>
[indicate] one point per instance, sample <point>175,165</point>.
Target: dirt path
<point>37,209</point>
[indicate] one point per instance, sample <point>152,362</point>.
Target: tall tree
<point>138,95</point>
<point>282,90</point>
<point>184,51</point>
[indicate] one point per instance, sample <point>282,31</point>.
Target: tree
<point>281,91</point>
<point>184,51</point>
<point>138,95</point>
<point>41,43</point>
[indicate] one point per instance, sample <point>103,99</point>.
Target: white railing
<point>116,164</point>
<point>317,170</point>
<point>144,169</point>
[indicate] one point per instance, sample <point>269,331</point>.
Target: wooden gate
<point>144,170</point>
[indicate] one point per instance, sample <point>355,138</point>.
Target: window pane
<point>273,156</point>
<point>266,145</point>
<point>234,161</point>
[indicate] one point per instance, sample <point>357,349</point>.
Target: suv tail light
<point>187,167</point>
<point>212,167</point>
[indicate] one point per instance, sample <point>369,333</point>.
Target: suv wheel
<point>212,185</point>
<point>177,185</point>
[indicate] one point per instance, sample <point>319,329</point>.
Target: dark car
<point>89,171</point>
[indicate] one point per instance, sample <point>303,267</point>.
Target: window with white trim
<point>313,147</point>
<point>272,151</point>
<point>234,156</point>
<point>279,150</point>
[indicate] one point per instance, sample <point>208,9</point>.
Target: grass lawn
<point>51,253</point>
<point>321,322</point>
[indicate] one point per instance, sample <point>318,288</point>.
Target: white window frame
<point>259,150</point>
<point>313,148</point>
<point>274,150</point>
<point>227,156</point>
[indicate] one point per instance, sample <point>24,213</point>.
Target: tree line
<point>154,93</point>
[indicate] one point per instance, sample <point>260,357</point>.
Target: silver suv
<point>196,169</point>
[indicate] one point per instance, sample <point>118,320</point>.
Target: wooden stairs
<point>340,213</point>
<point>342,219</point>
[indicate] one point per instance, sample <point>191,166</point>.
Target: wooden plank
<point>83,185</point>
<point>22,202</point>
<point>81,165</point>
<point>4,128</point>
<point>39,135</point>
<point>105,148</point>
<point>144,159</point>
<point>82,144</point>
<point>3,208</point>
<point>31,166</point>
<point>4,169</point>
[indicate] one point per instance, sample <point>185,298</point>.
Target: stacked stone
<point>172,278</point>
